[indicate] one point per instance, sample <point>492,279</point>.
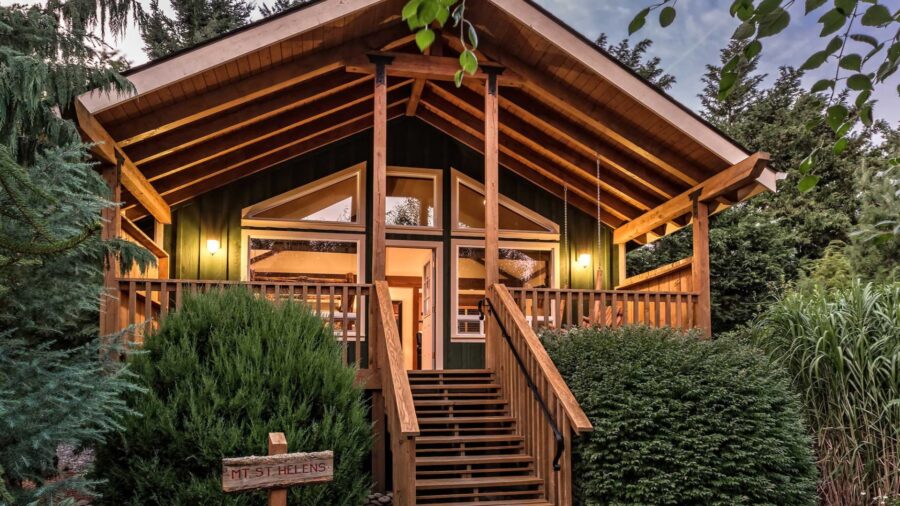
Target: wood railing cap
<point>394,373</point>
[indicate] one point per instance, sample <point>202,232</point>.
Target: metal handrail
<point>560,442</point>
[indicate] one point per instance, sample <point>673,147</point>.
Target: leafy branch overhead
<point>859,38</point>
<point>424,16</point>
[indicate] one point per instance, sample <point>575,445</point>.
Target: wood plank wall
<point>412,143</point>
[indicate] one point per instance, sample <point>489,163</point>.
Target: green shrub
<point>682,421</point>
<point>842,350</point>
<point>220,374</point>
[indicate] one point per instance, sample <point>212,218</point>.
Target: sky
<point>700,31</point>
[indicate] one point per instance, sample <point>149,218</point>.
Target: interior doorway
<point>412,269</point>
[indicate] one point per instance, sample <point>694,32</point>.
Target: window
<point>521,265</point>
<point>515,220</point>
<point>413,199</point>
<point>335,201</point>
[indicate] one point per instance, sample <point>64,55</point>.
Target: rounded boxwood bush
<point>682,421</point>
<point>218,376</point>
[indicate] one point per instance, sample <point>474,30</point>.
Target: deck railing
<point>538,396</point>
<point>552,308</point>
<point>143,303</point>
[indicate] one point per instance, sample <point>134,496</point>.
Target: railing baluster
<point>132,303</point>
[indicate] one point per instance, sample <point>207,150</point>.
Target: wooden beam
<point>130,176</point>
<point>236,118</point>
<point>226,49</point>
<point>491,183</point>
<point>516,149</point>
<point>319,138</point>
<point>628,191</point>
<point>436,49</point>
<point>592,116</point>
<point>130,228</point>
<point>736,176</point>
<point>111,229</point>
<point>280,127</point>
<point>418,66</point>
<point>379,168</point>
<point>700,265</point>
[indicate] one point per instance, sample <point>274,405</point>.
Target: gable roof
<point>574,105</point>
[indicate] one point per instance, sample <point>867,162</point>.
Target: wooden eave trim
<point>737,176</point>
<point>418,66</point>
<point>610,71</point>
<point>130,228</point>
<point>131,177</point>
<point>655,273</point>
<point>229,48</point>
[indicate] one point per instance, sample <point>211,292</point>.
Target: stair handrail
<point>393,372</point>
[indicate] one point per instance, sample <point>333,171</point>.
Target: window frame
<point>456,244</point>
<point>248,218</point>
<point>435,175</point>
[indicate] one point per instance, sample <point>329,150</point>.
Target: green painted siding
<point>412,143</point>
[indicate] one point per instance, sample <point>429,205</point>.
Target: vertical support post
<point>379,254</point>
<point>277,446</point>
<point>111,229</point>
<point>159,239</point>
<point>621,263</point>
<point>491,199</point>
<point>700,264</point>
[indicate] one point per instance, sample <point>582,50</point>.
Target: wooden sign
<point>276,471</point>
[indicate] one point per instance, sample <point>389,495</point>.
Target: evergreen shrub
<point>682,421</point>
<point>219,375</point>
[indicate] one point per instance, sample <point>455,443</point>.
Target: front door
<point>411,272</point>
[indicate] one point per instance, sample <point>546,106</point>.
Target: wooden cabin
<point>318,156</point>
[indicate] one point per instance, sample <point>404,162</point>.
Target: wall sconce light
<point>212,245</point>
<point>584,260</point>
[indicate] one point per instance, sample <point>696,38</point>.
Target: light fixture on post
<point>212,245</point>
<point>584,260</point>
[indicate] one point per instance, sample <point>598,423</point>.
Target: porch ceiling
<point>288,85</point>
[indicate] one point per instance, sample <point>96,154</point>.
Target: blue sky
<point>701,29</point>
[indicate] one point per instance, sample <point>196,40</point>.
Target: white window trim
<point>456,244</point>
<point>457,178</point>
<point>359,170</point>
<point>418,173</point>
<point>359,239</point>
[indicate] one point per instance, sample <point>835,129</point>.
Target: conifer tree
<point>54,389</point>
<point>744,92</point>
<point>636,58</point>
<point>194,21</point>
<point>279,6</point>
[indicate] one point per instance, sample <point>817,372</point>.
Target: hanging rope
<point>599,223</point>
<point>566,227</point>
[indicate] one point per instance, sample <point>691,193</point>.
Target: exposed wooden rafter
<point>131,178</point>
<point>418,66</point>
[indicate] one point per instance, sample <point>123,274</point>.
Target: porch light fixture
<point>212,245</point>
<point>584,260</point>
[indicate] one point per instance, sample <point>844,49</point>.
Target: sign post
<point>278,471</point>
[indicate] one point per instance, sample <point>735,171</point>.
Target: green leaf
<point>814,61</point>
<point>753,49</point>
<point>744,31</point>
<point>638,22</point>
<point>822,85</point>
<point>427,12</point>
<point>840,145</point>
<point>458,78</point>
<point>468,62</point>
<point>473,37</point>
<point>812,5</point>
<point>859,82</point>
<point>806,164</point>
<point>862,98</point>
<point>844,129</point>
<point>868,39</point>
<point>442,16</point>
<point>409,10</point>
<point>836,115</point>
<point>834,44</point>
<point>774,23</point>
<point>813,123</point>
<point>865,114</point>
<point>832,21</point>
<point>876,15</point>
<point>424,38</point>
<point>666,16</point>
<point>845,6</point>
<point>807,183</point>
<point>767,6</point>
<point>726,83</point>
<point>851,62</point>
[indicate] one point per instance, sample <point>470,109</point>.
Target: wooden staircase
<point>469,450</point>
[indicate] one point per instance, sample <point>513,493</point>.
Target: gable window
<point>412,202</point>
<point>335,201</point>
<point>521,265</point>
<point>515,220</point>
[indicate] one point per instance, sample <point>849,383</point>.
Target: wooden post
<point>700,264</point>
<point>491,199</point>
<point>379,253</point>
<point>277,446</point>
<point>621,257</point>
<point>111,229</point>
<point>159,239</point>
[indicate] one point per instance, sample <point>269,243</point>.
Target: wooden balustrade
<point>552,308</point>
<point>402,423</point>
<point>143,303</point>
<point>519,357</point>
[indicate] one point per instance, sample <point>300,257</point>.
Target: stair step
<point>453,386</point>
<point>458,402</point>
<point>468,439</point>
<point>479,473</point>
<point>492,482</point>
<point>452,420</point>
<point>472,459</point>
<point>435,372</point>
<point>454,395</point>
<point>504,502</point>
<point>517,448</point>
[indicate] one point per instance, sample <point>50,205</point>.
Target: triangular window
<point>515,219</point>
